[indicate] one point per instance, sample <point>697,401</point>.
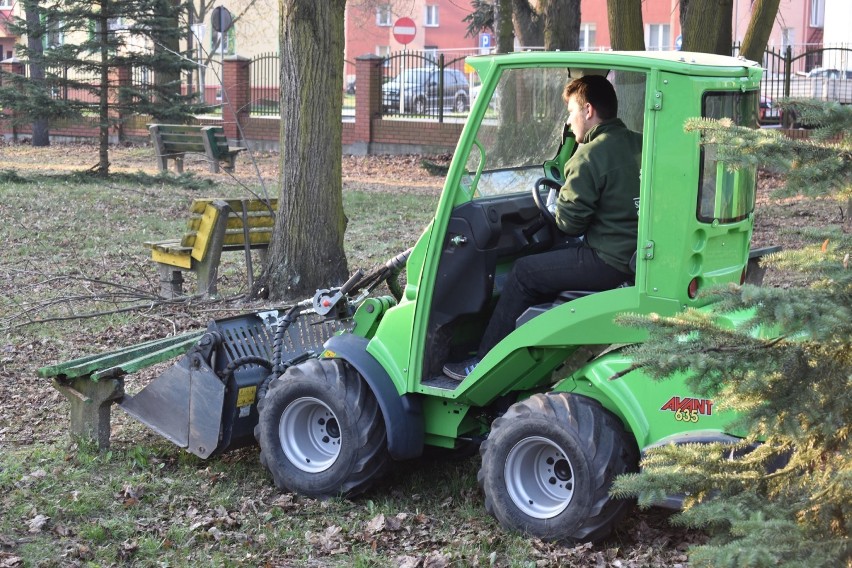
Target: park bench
<point>214,225</point>
<point>172,141</point>
<point>92,384</point>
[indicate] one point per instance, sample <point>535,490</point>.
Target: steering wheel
<point>554,186</point>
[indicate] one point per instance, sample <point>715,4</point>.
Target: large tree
<point>40,129</point>
<point>307,252</point>
<point>553,24</point>
<point>625,25</point>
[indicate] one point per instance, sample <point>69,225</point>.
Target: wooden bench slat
<point>252,205</point>
<point>218,222</point>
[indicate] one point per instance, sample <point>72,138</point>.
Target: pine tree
<point>786,498</point>
<point>83,42</point>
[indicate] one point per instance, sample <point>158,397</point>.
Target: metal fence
<point>823,74</point>
<point>264,71</point>
<point>427,84</point>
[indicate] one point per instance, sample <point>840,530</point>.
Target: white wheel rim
<point>539,477</point>
<point>309,434</point>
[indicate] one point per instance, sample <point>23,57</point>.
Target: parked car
<point>420,88</point>
<point>829,73</point>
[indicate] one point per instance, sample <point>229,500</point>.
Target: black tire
<point>548,464</point>
<point>321,432</point>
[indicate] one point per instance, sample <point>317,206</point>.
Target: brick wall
<point>368,133</point>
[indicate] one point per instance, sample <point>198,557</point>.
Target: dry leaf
<point>36,524</point>
<point>376,524</point>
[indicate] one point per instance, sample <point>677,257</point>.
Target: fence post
<point>368,100</point>
<point>441,87</point>
<point>236,99</point>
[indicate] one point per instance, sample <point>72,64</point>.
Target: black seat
<point>568,296</point>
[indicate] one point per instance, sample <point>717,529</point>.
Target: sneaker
<point>459,371</point>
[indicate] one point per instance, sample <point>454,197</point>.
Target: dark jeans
<point>539,278</point>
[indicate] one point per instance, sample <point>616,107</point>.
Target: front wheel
<point>548,464</point>
<point>321,432</point>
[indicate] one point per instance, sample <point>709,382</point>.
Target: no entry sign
<point>404,30</point>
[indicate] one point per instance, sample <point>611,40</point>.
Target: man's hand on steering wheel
<point>546,208</point>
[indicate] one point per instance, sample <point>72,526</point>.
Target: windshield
<point>522,128</point>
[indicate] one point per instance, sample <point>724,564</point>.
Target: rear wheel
<point>320,430</point>
<point>548,464</point>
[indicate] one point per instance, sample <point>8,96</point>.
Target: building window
<point>225,43</point>
<point>659,37</point>
<point>384,51</point>
<point>430,52</point>
<point>5,4</point>
<point>817,13</point>
<point>431,19</point>
<point>55,34</point>
<point>383,15</point>
<point>788,38</point>
<point>587,37</point>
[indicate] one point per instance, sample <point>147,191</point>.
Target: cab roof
<point>682,62</point>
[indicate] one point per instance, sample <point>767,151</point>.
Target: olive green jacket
<point>600,198</point>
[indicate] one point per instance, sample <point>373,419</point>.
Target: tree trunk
<point>705,25</point>
<point>504,29</point>
<point>763,14</point>
<point>725,39</point>
<point>103,95</point>
<point>307,249</point>
<point>561,24</point>
<point>529,25</point>
<point>41,131</point>
<point>625,25</point>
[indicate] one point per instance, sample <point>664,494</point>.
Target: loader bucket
<point>207,401</point>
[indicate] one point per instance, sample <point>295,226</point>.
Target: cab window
<point>522,129</point>
<point>726,196</point>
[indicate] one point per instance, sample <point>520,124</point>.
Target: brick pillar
<point>237,95</point>
<point>368,100</point>
<point>118,77</point>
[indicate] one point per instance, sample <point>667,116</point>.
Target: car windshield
<point>522,127</point>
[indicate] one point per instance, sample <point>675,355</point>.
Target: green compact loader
<point>339,387</point>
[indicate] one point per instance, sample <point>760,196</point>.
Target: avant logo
<point>692,405</point>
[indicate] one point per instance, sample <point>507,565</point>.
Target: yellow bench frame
<point>215,225</point>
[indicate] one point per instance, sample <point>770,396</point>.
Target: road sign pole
<point>400,78</point>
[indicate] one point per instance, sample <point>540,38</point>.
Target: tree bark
<point>529,25</point>
<point>307,248</point>
<point>103,95</point>
<point>41,131</point>
<point>625,25</point>
<point>561,24</point>
<point>763,14</point>
<point>504,29</point>
<point>707,26</point>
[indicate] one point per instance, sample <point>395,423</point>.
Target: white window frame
<point>430,18</point>
<point>6,4</point>
<point>54,35</point>
<point>817,16</point>
<point>384,17</point>
<point>661,33</point>
<point>588,31</point>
